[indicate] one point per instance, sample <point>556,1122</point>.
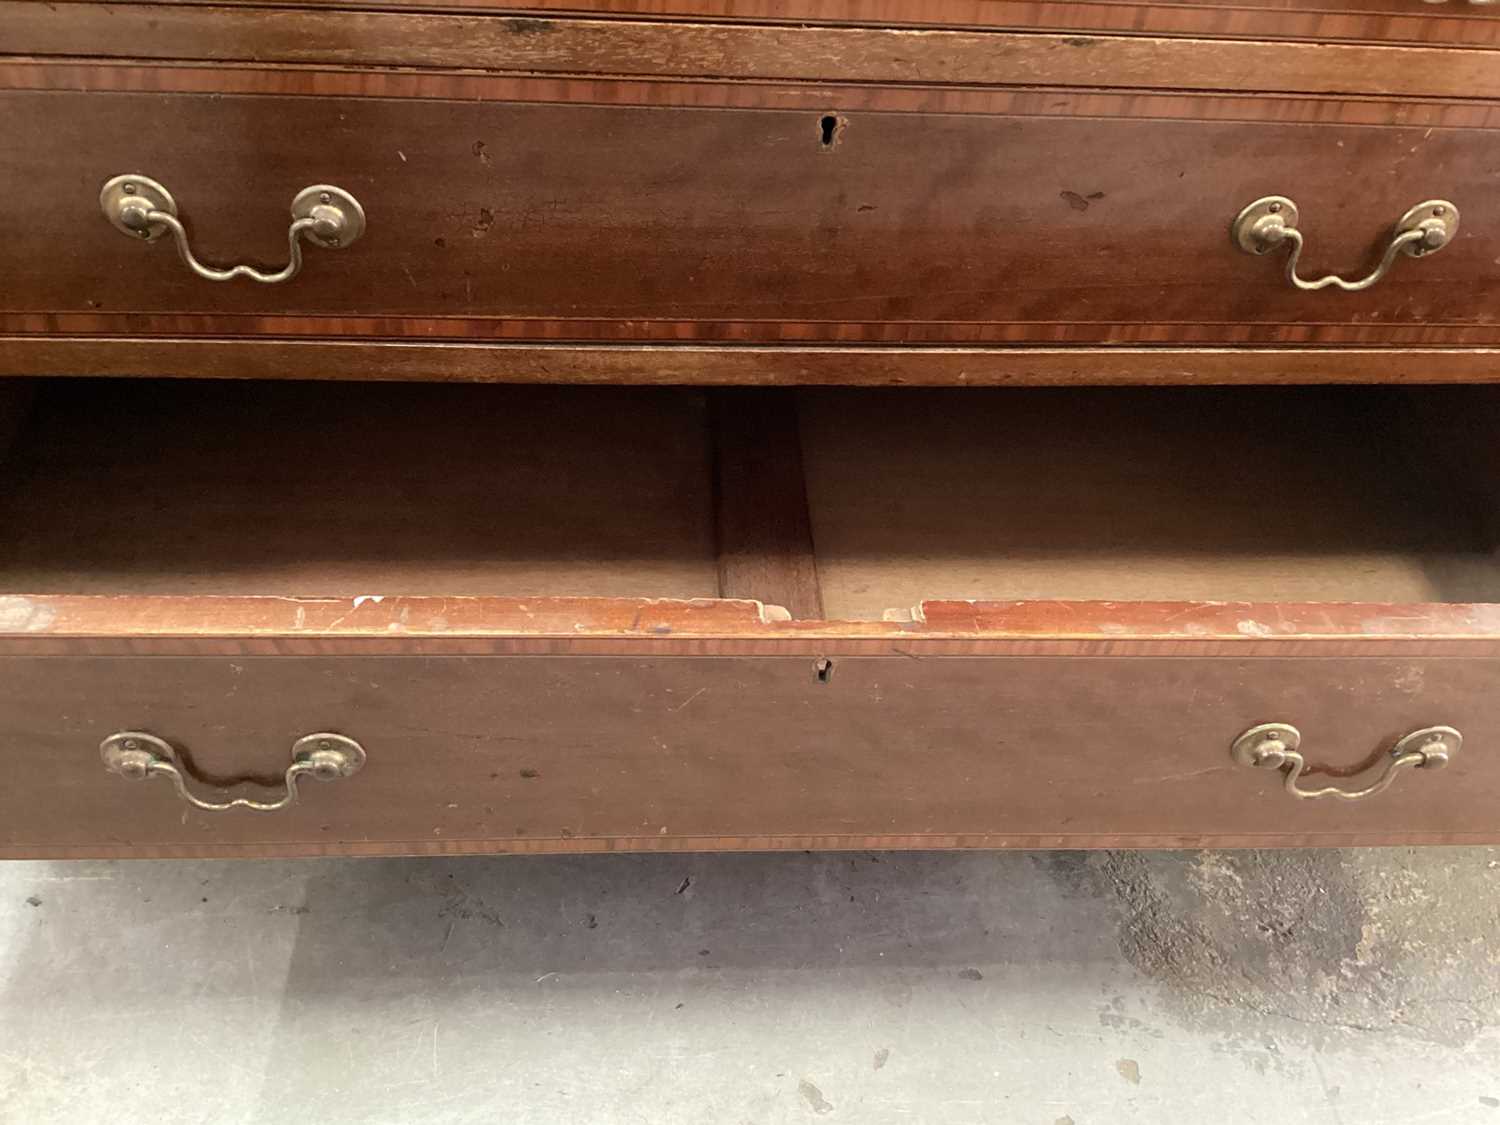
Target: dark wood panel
<point>311,489</point>
<point>739,51</point>
<point>496,754</point>
<point>791,365</point>
<point>16,396</point>
<point>1455,436</point>
<point>765,544</point>
<point>598,222</point>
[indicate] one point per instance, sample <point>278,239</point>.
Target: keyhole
<point>829,125</point>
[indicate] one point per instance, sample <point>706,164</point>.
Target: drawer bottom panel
<point>578,753</point>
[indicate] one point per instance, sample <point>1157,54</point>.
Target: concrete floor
<point>1353,988</point>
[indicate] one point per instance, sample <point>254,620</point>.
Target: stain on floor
<point>814,1097</point>
<point>1338,941</point>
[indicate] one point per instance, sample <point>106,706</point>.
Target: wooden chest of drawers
<point>765,591</point>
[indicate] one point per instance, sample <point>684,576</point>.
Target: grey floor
<point>1354,988</point>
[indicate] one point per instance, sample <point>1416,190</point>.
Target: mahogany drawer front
<point>1022,218</point>
<point>585,752</point>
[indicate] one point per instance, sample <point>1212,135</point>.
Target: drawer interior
<point>852,504</point>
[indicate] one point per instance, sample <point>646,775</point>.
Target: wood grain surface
<point>232,625</point>
<point>740,51</point>
<point>1235,494</point>
<point>555,754</point>
<point>1384,21</point>
<point>64,73</point>
<point>765,545</point>
<point>736,365</point>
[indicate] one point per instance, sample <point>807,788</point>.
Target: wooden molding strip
<point>705,332</point>
<point>728,365</point>
<point>91,75</point>
<point>738,52</point>
<point>1382,21</point>
<point>59,624</point>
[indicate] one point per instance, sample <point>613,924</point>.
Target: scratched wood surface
<point>656,224</point>
<point>579,753</point>
<point>248,625</point>
<point>1383,21</point>
<point>1138,59</point>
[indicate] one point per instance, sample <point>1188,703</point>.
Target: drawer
<point>1023,219</point>
<point>574,618</point>
<point>734,750</point>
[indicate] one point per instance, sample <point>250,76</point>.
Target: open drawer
<point>574,618</point>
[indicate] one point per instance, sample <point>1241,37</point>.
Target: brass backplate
<point>123,196</point>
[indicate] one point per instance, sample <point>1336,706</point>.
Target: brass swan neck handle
<point>1275,746</point>
<point>1272,220</point>
<point>138,756</point>
<point>324,215</point>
